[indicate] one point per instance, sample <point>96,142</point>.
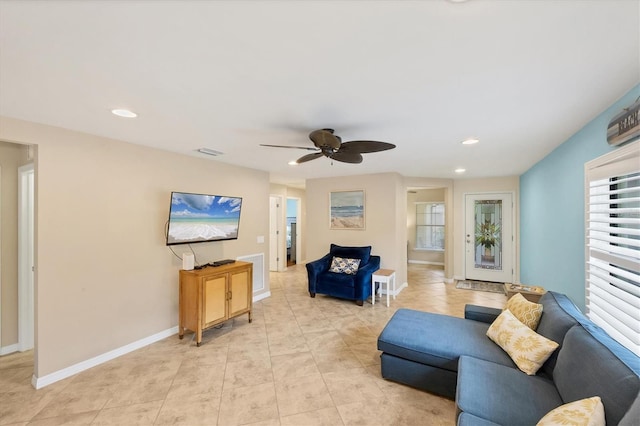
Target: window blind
<point>613,244</point>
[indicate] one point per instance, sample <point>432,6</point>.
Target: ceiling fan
<point>331,146</point>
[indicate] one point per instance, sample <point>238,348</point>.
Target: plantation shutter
<point>613,244</point>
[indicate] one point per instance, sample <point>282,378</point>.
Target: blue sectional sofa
<point>453,357</point>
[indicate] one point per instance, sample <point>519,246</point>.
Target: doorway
<point>293,237</point>
<point>26,262</point>
<point>275,233</point>
<point>489,237</point>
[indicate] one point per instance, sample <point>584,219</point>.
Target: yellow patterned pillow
<point>585,412</point>
<point>527,312</point>
<point>527,349</point>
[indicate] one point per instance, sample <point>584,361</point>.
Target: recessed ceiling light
<point>470,141</point>
<point>460,170</point>
<point>124,113</point>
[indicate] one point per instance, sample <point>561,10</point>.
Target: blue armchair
<point>339,284</point>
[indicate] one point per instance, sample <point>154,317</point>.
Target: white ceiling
<point>522,76</point>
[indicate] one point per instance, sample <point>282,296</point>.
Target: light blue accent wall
<point>552,220</point>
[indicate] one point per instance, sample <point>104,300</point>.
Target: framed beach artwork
<point>346,209</point>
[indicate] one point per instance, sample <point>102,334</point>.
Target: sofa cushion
<point>481,313</point>
<point>362,253</point>
<point>344,265</point>
<point>527,312</point>
<point>558,316</point>
<point>503,395</point>
<point>435,380</point>
<point>526,348</point>
<point>585,412</point>
<point>438,340</point>
<point>616,379</point>
<point>466,419</point>
<point>337,279</point>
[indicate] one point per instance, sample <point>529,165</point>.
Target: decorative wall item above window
<point>625,126</point>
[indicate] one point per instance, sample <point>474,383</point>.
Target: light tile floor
<point>302,361</point>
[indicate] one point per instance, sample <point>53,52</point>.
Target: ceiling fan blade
<point>288,146</point>
<point>309,157</point>
<point>325,138</point>
<point>347,157</point>
<point>365,146</point>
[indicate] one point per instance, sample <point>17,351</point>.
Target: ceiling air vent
<point>209,151</point>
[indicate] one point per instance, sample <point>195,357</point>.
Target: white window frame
<point>613,258</point>
<point>443,226</point>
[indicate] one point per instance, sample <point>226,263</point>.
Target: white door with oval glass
<point>489,237</point>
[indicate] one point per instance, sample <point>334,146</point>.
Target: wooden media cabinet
<point>212,295</point>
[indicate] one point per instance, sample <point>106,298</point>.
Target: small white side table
<point>383,276</point>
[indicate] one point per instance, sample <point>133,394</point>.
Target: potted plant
<point>487,235</point>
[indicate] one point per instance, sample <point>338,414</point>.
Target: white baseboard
<point>425,262</point>
<point>449,280</point>
<point>261,296</point>
<point>40,382</point>
<point>5,350</point>
<point>397,292</point>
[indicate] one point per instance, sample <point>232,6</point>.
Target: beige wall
<point>461,187</point>
<point>385,215</point>
<point>12,156</point>
<point>421,196</point>
<point>104,277</point>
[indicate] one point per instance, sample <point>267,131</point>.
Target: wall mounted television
<point>199,218</point>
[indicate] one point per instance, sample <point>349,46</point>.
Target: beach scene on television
<point>197,218</point>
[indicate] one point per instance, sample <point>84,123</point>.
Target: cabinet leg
<point>250,319</point>
<point>198,344</point>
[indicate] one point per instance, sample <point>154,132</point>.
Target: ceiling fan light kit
<point>329,145</point>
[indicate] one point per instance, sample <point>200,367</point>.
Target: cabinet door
<point>240,292</point>
<point>215,300</point>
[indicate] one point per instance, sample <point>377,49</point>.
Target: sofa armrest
<point>362,279</point>
<point>315,268</point>
<point>481,313</point>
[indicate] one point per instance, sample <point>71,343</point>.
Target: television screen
<point>197,218</point>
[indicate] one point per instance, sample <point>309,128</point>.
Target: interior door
<point>275,215</point>
<point>489,237</point>
<point>26,262</point>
